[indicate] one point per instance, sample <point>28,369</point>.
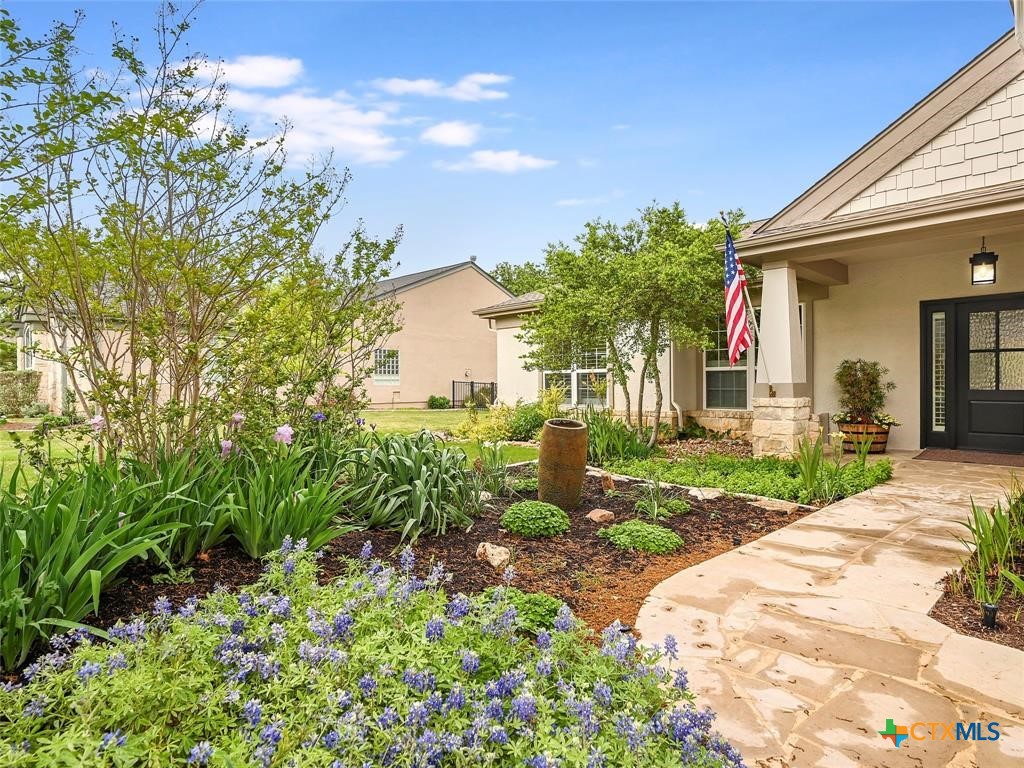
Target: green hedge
<point>18,390</point>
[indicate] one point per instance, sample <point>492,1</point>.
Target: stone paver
<point>807,640</point>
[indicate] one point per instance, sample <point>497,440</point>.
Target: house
<point>441,340</point>
<point>910,252</point>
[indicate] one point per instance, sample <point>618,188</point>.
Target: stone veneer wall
<point>737,423</point>
<point>781,423</point>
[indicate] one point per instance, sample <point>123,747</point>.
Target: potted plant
<point>862,392</point>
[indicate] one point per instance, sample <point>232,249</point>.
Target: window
<point>28,352</point>
<point>586,383</point>
<point>731,387</point>
<point>385,366</point>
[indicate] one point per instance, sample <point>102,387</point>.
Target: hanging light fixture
<point>983,266</point>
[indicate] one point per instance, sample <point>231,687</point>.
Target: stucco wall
<point>514,381</point>
<point>441,339</point>
<point>876,316</point>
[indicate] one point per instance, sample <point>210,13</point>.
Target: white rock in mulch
<point>595,472</point>
<point>705,494</point>
<point>601,515</point>
<point>485,496</point>
<point>497,556</point>
<point>776,505</point>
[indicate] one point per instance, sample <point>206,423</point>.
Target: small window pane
<point>592,389</point>
<point>563,380</point>
<point>983,370</point>
<point>1011,370</point>
<point>1011,329</point>
<point>939,371</point>
<point>983,330</point>
<point>596,358</point>
<point>727,389</point>
<point>385,362</point>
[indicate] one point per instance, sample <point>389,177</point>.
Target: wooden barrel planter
<point>562,464</point>
<point>856,433</point>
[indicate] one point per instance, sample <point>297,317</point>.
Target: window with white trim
<point>28,351</point>
<point>586,383</point>
<point>732,387</point>
<point>385,366</point>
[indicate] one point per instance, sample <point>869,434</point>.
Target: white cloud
<point>472,87</point>
<point>503,161</point>
<point>621,127</point>
<point>320,124</point>
<point>452,133</point>
<point>257,71</point>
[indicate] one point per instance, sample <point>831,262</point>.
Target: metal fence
<point>474,394</point>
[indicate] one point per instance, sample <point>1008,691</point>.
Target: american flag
<point>737,331</point>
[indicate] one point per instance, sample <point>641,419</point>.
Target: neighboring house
<point>874,261</point>
<point>441,340</point>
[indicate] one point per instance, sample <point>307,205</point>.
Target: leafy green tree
<point>144,223</point>
<point>521,278</point>
<point>635,287</point>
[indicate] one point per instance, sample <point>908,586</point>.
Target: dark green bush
<point>438,402</point>
<point>534,610</point>
<point>535,518</point>
<point>643,537</point>
<point>527,420</point>
<point>18,390</point>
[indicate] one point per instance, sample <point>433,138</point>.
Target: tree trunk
<point>658,401</point>
<point>640,397</point>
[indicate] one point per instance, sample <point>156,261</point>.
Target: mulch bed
<point>957,610</point>
<point>599,582</point>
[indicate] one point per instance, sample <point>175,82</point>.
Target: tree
<point>145,225</point>
<point>636,288</point>
<point>520,278</point>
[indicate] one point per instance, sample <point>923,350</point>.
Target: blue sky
<point>495,128</point>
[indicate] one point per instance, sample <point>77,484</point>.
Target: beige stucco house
<point>441,340</point>
<point>874,261</point>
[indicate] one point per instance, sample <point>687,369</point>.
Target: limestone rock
<point>601,515</point>
<point>607,482</point>
<point>497,556</point>
<point>776,505</point>
<point>705,494</point>
<point>485,496</point>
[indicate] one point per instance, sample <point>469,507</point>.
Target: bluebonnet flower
<point>418,715</point>
<point>435,629</point>
<point>596,759</point>
<point>360,422</point>
<point>88,670</point>
<point>331,739</point>
<point>509,574</point>
<point>498,735</point>
<point>434,702</point>
<point>366,552</point>
<point>278,634</point>
<point>288,566</point>
<point>541,761</point>
<point>388,718</point>
<point>302,544</point>
<point>564,620</point>
<point>543,666</point>
<point>237,626</point>
<point>470,662</point>
<point>200,754</point>
<point>319,417</point>
<point>343,624</point>
<point>161,606</point>
<point>112,739</point>
<point>345,699</point>
<point>115,662</point>
<point>680,681</point>
<point>459,607</point>
<point>544,639</point>
<point>407,559</point>
<point>287,545</point>
<point>419,681</point>
<point>494,710</point>
<point>132,632</point>
<point>456,699</point>
<point>438,574</point>
<point>252,711</point>
<point>36,707</point>
<point>189,607</point>
<point>524,707</point>
<point>282,607</point>
<point>671,647</point>
<point>367,685</point>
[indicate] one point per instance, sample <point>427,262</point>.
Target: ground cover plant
<point>380,668</point>
<point>765,476</point>
<point>535,518</point>
<point>643,537</point>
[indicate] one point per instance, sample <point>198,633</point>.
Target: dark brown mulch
<point>958,610</point>
<point>598,581</point>
<point>701,447</point>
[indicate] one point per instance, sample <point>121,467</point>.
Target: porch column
<point>782,398</point>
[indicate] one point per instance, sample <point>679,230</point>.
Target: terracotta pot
<point>855,433</point>
<point>563,462</point>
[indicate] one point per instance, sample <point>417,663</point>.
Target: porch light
<point>983,266</point>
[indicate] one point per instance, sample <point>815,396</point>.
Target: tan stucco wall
<point>876,316</point>
<point>441,339</point>
<point>514,381</point>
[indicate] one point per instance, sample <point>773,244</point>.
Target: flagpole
<point>753,318</point>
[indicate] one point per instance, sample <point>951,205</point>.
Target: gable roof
<point>401,283</point>
<point>994,68</point>
<point>515,305</point>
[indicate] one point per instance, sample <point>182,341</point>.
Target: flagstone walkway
<point>807,640</point>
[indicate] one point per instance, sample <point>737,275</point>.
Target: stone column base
<point>780,424</point>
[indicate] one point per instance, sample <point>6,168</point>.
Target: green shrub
<point>490,425</point>
<point>18,390</point>
<point>609,439</point>
<point>288,672</point>
<point>524,485</point>
<point>535,611</point>
<point>438,402</point>
<point>535,518</point>
<point>527,419</point>
<point>643,537</point>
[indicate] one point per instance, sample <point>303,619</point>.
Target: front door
<point>973,373</point>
